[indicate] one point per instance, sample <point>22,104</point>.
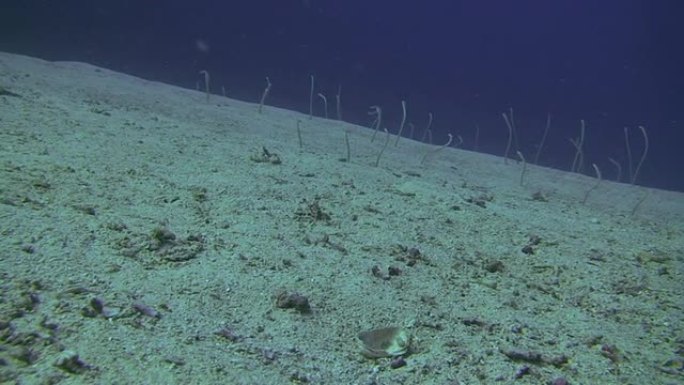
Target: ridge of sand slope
<point>146,240</point>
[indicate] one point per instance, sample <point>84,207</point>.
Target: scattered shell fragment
<point>385,342</point>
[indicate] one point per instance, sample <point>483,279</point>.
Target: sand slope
<point>147,239</point>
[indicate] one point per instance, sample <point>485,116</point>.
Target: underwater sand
<point>148,238</point>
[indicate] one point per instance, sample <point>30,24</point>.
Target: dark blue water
<point>611,63</point>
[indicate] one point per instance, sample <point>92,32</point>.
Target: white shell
<point>385,342</point>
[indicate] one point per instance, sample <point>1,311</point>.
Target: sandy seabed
<point>152,236</point>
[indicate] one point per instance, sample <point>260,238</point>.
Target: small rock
<point>295,301</point>
<point>69,361</point>
<point>397,363</point>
